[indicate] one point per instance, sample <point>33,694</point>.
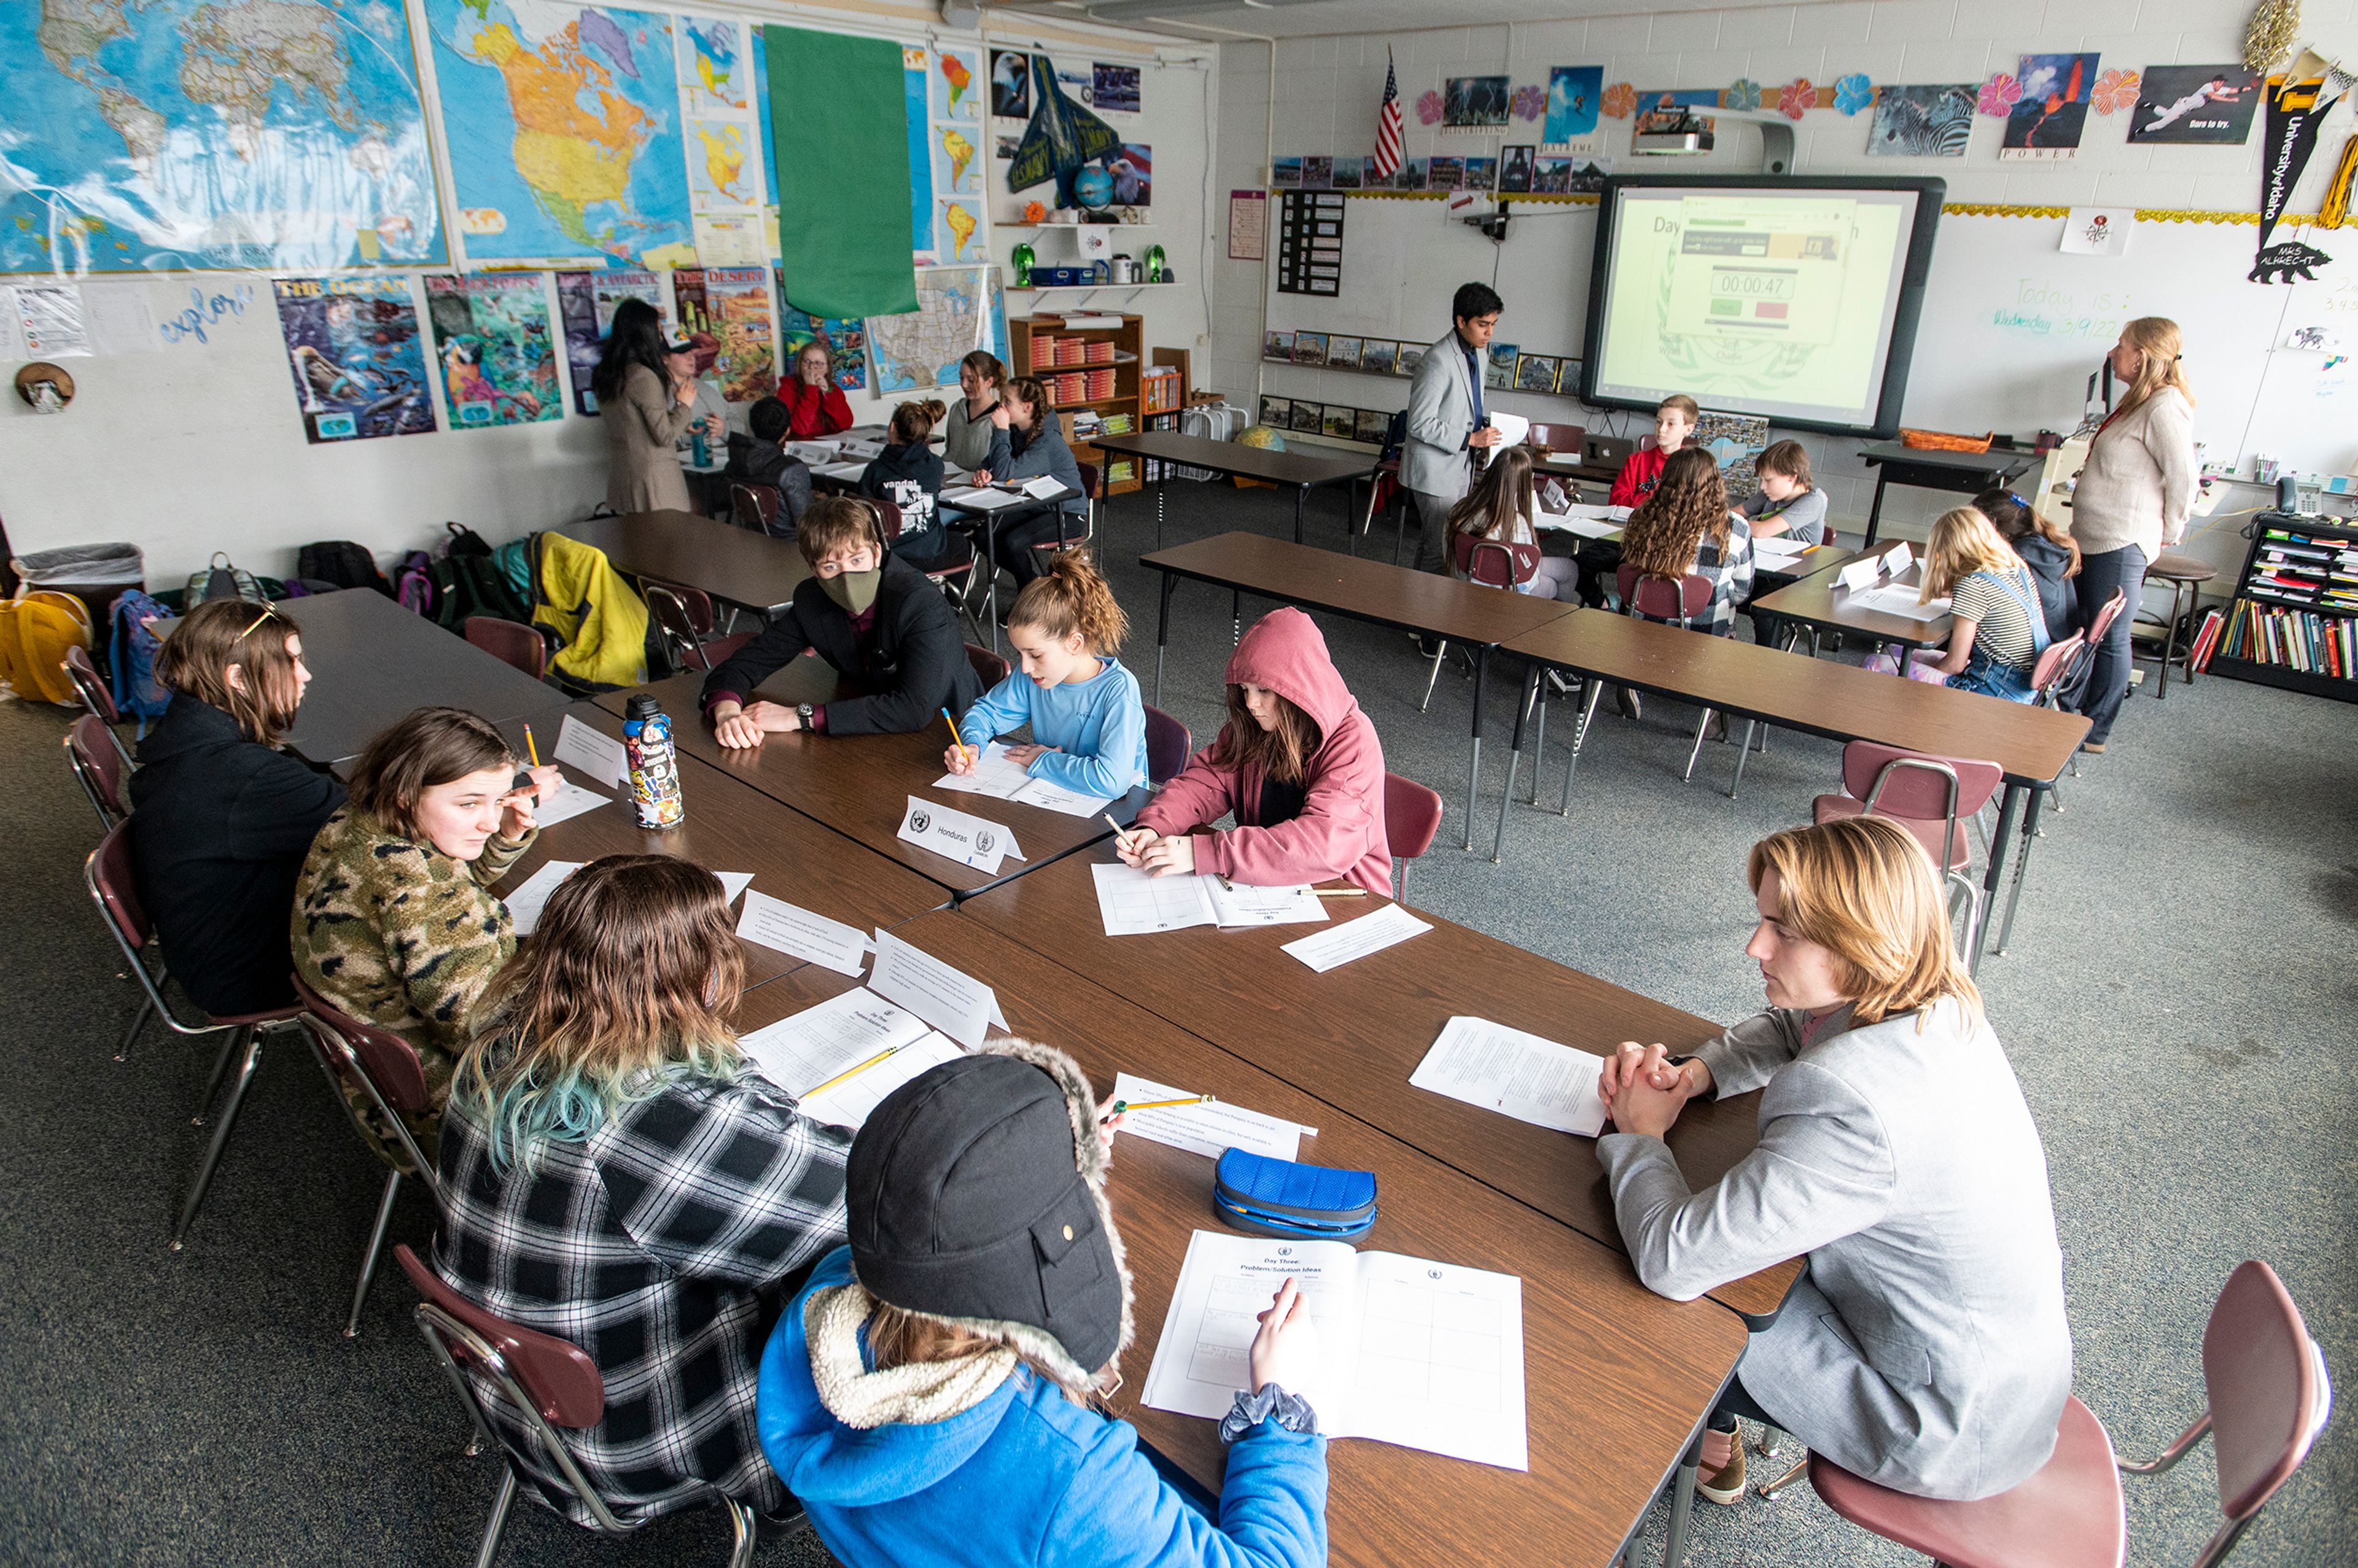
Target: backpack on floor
<point>342,563</point>
<point>470,580</point>
<point>413,583</point>
<point>37,627</point>
<point>223,579</point>
<point>131,652</point>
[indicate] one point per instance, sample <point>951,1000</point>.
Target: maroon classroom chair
<point>544,1383</point>
<point>510,642</point>
<point>989,667</point>
<point>107,874</point>
<point>2106,614</point>
<point>90,687</point>
<point>1675,602</point>
<point>1932,796</point>
<point>683,618</point>
<point>98,764</point>
<point>2269,1398</point>
<point>1492,563</point>
<point>1411,818</point>
<point>2050,677</point>
<point>758,507</point>
<point>385,1069</point>
<point>1167,745</point>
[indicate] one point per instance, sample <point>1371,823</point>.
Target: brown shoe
<point>2093,748</point>
<point>1721,1475</point>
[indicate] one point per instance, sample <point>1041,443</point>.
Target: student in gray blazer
<point>1926,1347</point>
<point>1447,421</point>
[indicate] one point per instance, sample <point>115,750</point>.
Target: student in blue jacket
<point>1088,722</point>
<point>926,1397</point>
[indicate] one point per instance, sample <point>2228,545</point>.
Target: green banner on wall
<point>839,143</point>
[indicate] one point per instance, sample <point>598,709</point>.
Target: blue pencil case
<point>1285,1198</point>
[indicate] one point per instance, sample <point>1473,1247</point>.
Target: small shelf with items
<point>2293,619</point>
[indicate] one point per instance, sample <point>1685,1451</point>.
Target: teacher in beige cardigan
<point>2135,493</point>
<point>644,413</point>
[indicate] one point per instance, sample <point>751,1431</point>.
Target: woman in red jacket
<point>815,405</point>
<point>1297,763</point>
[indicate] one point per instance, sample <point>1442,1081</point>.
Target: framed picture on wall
<point>1443,173</point>
<point>1277,345</point>
<point>1481,174</point>
<point>1310,348</point>
<point>1285,173</point>
<point>1345,173</point>
<point>1277,413</point>
<point>1411,356</point>
<point>1343,354</point>
<point>1411,176</point>
<point>1535,372</point>
<point>1305,414</point>
<point>1373,422</point>
<point>1379,357</point>
<point>1341,423</point>
<point>1515,169</point>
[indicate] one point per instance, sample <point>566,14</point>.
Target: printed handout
<point>1516,1075</point>
<point>817,1048</point>
<point>1338,944</point>
<point>773,923</point>
<point>999,776</point>
<point>1133,903</point>
<point>1212,1128</point>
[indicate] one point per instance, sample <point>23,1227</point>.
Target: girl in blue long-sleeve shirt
<point>1088,722</point>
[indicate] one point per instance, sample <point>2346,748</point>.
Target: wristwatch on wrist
<point>803,712</point>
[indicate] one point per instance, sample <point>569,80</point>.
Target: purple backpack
<point>413,583</point>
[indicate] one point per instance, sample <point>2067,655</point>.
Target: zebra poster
<point>1921,121</point>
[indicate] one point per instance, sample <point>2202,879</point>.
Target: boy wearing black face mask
<point>877,620</point>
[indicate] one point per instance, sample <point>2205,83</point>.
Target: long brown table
<point>729,826</point>
<point>1481,618</point>
<point>1820,602</point>
<point>1617,1379</point>
<point>735,566</point>
<point>1352,1036</point>
<point>1303,471</point>
<point>859,786</point>
<point>354,637</point>
<point>1841,702</point>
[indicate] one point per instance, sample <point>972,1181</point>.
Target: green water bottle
<point>1023,259</point>
<point>1154,264</point>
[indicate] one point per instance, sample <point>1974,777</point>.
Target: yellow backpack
<point>35,630</point>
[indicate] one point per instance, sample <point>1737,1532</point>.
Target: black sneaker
<point>1627,701</point>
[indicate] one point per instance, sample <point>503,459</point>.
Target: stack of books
<point>2298,638</point>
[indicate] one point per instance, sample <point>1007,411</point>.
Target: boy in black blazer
<point>877,620</point>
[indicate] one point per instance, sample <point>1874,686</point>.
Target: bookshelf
<point>2293,620</point>
<point>1135,391</point>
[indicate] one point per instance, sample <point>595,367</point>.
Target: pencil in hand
<point>532,745</point>
<point>958,743</point>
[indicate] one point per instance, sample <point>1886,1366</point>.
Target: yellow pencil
<point>1120,834</point>
<point>848,1072</point>
<point>532,745</point>
<point>957,744</point>
<point>1340,893</point>
<point>1119,1106</point>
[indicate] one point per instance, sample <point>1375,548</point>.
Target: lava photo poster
<point>2195,105</point>
<point>2047,120</point>
<point>585,302</point>
<point>353,344</point>
<point>498,355</point>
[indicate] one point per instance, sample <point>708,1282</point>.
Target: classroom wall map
<point>285,135</point>
<point>564,131</point>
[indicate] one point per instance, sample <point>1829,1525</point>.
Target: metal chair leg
<point>1741,753</point>
<point>368,1259</point>
<point>228,1118</point>
<point>741,1520</point>
<point>1434,678</point>
<point>122,1051</point>
<point>1801,1469</point>
<point>1539,739</point>
<point>1772,1438</point>
<point>1688,777</point>
<point>493,1527</point>
<point>220,1070</point>
<point>1579,734</point>
<point>2013,896</point>
<point>1401,896</point>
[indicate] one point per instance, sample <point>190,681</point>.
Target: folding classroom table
<point>1301,471</point>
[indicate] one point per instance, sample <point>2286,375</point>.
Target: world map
<point>565,132</point>
<point>158,135</point>
<point>958,310</point>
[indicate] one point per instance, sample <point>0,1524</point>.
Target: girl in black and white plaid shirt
<point>618,1178</point>
<point>1685,526</point>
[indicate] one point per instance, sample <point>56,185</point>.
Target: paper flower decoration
<point>1998,95</point>
<point>1428,108</point>
<point>1619,100</point>
<point>1851,94</point>
<point>1529,101</point>
<point>1743,93</point>
<point>1796,98</point>
<point>2116,90</point>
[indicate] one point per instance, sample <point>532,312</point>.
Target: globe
<point>1263,437</point>
<point>1093,189</point>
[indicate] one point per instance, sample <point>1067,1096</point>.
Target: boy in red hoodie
<point>1675,418</point>
<point>1298,763</point>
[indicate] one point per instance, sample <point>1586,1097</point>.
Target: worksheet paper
<point>1516,1075</point>
<point>1778,551</point>
<point>1212,1128</point>
<point>571,801</point>
<point>1420,1354</point>
<point>1133,903</point>
<point>1896,599</point>
<point>528,900</point>
<point>953,835</point>
<point>847,472</point>
<point>601,756</point>
<point>954,1003</point>
<point>1002,776</point>
<point>800,1053</point>
<point>1338,944</point>
<point>1044,488</point>
<point>975,498</point>
<point>789,928</point>
<point>1511,428</point>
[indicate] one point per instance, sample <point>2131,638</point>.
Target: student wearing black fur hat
<point>928,1396</point>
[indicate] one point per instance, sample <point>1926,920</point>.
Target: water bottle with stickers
<point>654,764</point>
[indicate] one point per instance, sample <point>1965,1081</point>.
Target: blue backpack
<point>131,652</point>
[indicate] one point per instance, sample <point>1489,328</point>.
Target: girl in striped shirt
<point>1999,631</point>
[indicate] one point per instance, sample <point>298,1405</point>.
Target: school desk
<point>1617,1379</point>
<point>1424,603</point>
<point>859,784</point>
<point>1926,467</point>
<point>991,517</point>
<point>1352,1036</point>
<point>355,638</point>
<point>1303,471</point>
<point>738,567</point>
<point>729,826</point>
<point>1820,602</point>
<point>1820,697</point>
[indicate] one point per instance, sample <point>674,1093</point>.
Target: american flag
<point>1387,126</point>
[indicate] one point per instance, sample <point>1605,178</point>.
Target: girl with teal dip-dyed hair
<point>615,1176</point>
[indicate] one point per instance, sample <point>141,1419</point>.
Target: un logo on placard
<point>1433,1273</point>
<point>984,840</point>
<point>920,820</point>
<point>1285,1251</point>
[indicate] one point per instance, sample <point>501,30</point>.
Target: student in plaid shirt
<point>618,1178</point>
<point>1686,527</point>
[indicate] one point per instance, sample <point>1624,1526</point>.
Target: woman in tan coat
<point>643,412</point>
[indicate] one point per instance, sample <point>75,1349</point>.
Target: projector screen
<point>1794,298</point>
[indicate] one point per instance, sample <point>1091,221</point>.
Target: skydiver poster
<point>352,346</point>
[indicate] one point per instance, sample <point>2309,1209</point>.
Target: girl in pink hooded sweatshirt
<point>1297,763</point>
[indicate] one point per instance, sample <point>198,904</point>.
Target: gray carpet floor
<point>2177,1003</point>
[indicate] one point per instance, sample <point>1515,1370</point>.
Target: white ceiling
<point>1305,18</point>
